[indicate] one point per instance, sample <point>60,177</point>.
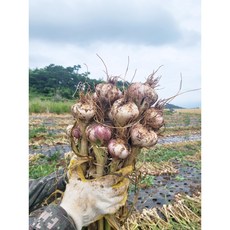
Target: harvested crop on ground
<point>183,213</point>
<point>153,168</point>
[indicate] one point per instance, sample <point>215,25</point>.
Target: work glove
<point>86,201</point>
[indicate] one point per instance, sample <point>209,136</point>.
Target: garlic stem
<point>101,158</point>
<point>84,144</point>
<point>101,224</point>
<point>107,226</point>
<point>132,157</point>
<point>114,164</point>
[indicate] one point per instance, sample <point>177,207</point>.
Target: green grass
<point>168,111</point>
<point>148,180</point>
<point>35,132</point>
<point>182,119</point>
<point>37,105</point>
<point>179,178</point>
<point>162,154</point>
<point>169,152</point>
<point>43,166</point>
<point>37,171</point>
<point>187,120</point>
<point>189,163</point>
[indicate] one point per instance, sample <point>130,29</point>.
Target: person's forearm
<point>53,217</point>
<point>40,189</point>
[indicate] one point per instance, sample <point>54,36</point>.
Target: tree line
<point>56,80</point>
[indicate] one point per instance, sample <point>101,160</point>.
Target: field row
<point>47,128</point>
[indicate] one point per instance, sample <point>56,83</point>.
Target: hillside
<point>171,106</point>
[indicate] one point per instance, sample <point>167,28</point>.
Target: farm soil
<point>165,187</point>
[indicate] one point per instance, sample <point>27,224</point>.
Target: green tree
<point>53,78</point>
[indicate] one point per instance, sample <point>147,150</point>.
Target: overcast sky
<point>150,32</point>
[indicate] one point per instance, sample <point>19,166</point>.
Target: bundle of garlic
<point>111,126</point>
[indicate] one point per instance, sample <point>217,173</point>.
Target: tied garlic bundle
<point>111,126</point>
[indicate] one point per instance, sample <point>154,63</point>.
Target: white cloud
<point>117,21</point>
<point>151,33</point>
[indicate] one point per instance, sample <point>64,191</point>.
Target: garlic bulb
<point>143,137</point>
<point>97,132</point>
<point>154,118</point>
<point>84,110</point>
<point>142,94</point>
<point>107,92</point>
<point>75,132</point>
<point>123,113</point>
<point>118,149</point>
<point>68,130</point>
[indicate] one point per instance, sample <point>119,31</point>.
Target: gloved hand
<point>86,201</point>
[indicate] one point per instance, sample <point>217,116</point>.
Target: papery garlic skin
<point>143,137</point>
<point>68,130</point>
<point>84,110</point>
<point>72,131</point>
<point>107,92</point>
<point>142,94</point>
<point>97,132</point>
<point>118,149</point>
<point>122,113</point>
<point>154,118</point>
<point>76,132</point>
